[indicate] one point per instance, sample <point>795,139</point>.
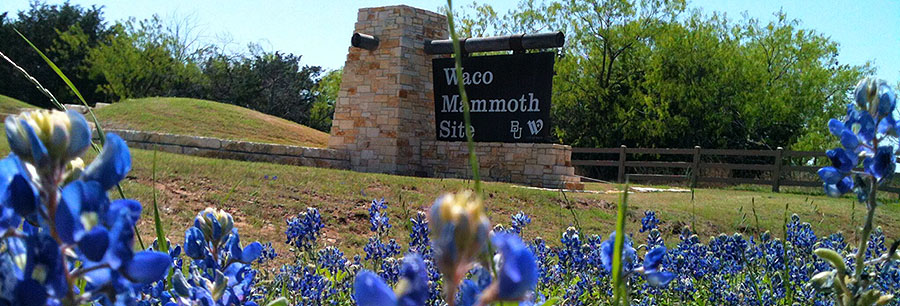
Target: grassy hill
<point>11,106</point>
<point>206,118</point>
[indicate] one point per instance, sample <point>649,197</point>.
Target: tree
<point>272,83</point>
<point>43,25</point>
<point>144,59</point>
<point>326,91</point>
<point>649,74</point>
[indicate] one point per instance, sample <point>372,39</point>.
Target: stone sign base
<point>384,114</point>
<point>535,164</point>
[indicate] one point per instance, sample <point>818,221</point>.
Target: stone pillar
<point>385,105</point>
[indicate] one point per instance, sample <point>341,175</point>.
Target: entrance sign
<point>509,97</point>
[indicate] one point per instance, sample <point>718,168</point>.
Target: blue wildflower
<point>519,221</point>
<point>48,138</point>
<point>303,230</point>
<point>517,272</point>
<point>865,125</point>
<point>412,289</point>
<point>651,268</point>
<point>607,248</point>
<point>649,221</point>
<point>378,219</point>
<point>459,229</point>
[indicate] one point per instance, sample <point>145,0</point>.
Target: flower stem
<point>867,230</point>
<point>473,159</point>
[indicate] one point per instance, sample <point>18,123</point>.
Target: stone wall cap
<point>397,6</point>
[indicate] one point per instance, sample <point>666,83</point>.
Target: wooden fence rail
<point>779,170</point>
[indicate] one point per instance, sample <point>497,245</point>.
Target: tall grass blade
<point>618,281</point>
<point>70,85</point>
<point>457,54</point>
<point>157,222</point>
<point>34,81</point>
<point>90,111</point>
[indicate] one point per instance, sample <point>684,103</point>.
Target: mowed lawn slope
<point>207,118</point>
<point>10,105</point>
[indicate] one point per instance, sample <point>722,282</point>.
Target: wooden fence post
<point>776,174</point>
<point>695,167</point>
<point>622,164</point>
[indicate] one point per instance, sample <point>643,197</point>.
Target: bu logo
<point>535,126</point>
<point>515,129</point>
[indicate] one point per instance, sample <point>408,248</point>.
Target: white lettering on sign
<point>515,129</point>
<point>453,104</point>
<point>454,129</point>
<point>476,78</point>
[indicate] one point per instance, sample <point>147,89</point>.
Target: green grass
<point>187,184</point>
<point>11,105</point>
<point>206,118</point>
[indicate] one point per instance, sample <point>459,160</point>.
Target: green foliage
<point>272,83</point>
<point>155,57</point>
<point>139,61</point>
<point>653,74</point>
<point>326,91</point>
<point>45,25</point>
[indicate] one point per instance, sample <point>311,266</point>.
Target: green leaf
<point>281,301</point>
<point>832,258</point>
<point>551,301</point>
<point>160,231</point>
<point>618,281</point>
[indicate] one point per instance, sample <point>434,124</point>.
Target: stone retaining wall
<point>536,164</point>
<point>232,149</point>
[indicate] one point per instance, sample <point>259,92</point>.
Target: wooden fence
<point>784,164</point>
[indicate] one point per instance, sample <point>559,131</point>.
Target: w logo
<point>535,126</point>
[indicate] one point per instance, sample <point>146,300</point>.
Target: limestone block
<point>546,159</point>
<point>201,142</point>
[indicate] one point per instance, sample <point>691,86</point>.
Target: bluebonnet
<point>268,253</point>
<point>861,133</point>
<point>649,221</point>
<point>303,230</point>
<point>378,220</point>
<point>44,182</point>
<point>412,289</point>
<point>519,221</point>
<point>869,131</point>
<point>607,249</point>
<point>459,229</point>
<point>420,243</point>
<point>571,255</point>
<point>651,269</point>
<point>654,239</point>
<point>517,273</point>
<point>305,285</point>
<point>219,271</point>
<point>379,253</point>
<point>332,259</point>
<point>542,255</point>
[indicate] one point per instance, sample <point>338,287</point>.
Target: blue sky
<point>320,30</point>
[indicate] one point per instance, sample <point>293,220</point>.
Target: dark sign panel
<point>509,97</point>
